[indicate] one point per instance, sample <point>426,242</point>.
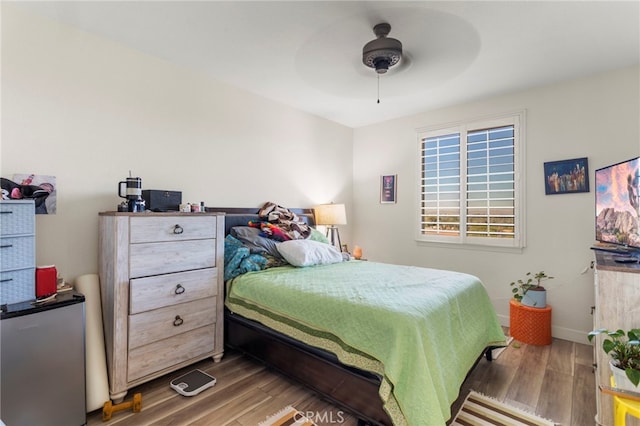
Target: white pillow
<point>309,252</point>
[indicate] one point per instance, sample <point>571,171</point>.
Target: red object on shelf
<point>530,325</point>
<point>46,280</point>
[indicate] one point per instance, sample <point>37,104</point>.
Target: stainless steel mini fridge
<point>42,363</point>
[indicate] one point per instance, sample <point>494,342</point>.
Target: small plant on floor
<point>624,350</point>
<point>533,282</point>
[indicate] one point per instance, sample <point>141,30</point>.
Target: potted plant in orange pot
<point>530,291</point>
<point>529,314</point>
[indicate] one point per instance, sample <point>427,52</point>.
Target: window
<point>470,183</point>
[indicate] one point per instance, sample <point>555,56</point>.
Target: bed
<point>391,344</point>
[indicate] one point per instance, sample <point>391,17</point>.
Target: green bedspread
<point>420,329</point>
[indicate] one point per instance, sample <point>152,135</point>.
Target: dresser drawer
<point>17,217</point>
<point>175,256</point>
<point>165,353</point>
<point>17,286</point>
<point>17,253</point>
<point>159,291</point>
<point>150,272</point>
<point>171,228</point>
<point>149,327</point>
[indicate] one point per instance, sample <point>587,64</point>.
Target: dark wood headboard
<point>240,216</point>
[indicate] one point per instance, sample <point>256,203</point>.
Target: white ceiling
<point>307,54</point>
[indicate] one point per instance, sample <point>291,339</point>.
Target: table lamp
<point>331,215</point>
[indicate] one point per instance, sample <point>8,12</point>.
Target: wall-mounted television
<point>617,203</point>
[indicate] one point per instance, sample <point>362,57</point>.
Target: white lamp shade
<point>331,214</point>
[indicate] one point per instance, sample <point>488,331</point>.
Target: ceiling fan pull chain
<point>378,88</point>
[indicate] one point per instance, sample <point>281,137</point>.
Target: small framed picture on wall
<point>566,176</point>
<point>388,186</point>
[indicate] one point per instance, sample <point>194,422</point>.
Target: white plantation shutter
<point>470,183</point>
<point>491,183</point>
<point>441,185</point>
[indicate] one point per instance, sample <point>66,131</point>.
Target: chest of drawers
<point>17,251</point>
<point>617,298</point>
<point>161,283</point>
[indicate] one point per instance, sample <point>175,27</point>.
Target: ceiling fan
<point>383,52</point>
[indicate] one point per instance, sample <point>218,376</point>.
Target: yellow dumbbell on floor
<point>110,408</point>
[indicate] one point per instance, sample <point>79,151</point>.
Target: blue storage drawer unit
<point>17,217</point>
<point>17,286</point>
<point>17,251</point>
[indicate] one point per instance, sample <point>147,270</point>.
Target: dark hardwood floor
<point>555,381</point>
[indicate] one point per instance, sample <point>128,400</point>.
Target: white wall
<point>88,110</point>
<point>595,117</point>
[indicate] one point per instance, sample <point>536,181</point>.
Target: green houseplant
<point>531,282</point>
<point>624,350</point>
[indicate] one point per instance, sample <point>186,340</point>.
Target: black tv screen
<point>617,203</point>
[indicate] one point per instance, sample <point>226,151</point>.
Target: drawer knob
<point>178,229</point>
<point>180,289</point>
<point>178,321</point>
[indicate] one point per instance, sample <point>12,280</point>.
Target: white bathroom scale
<point>192,383</point>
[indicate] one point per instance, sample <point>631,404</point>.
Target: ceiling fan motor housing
<point>383,52</point>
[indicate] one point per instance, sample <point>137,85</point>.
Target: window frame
<point>515,119</point>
